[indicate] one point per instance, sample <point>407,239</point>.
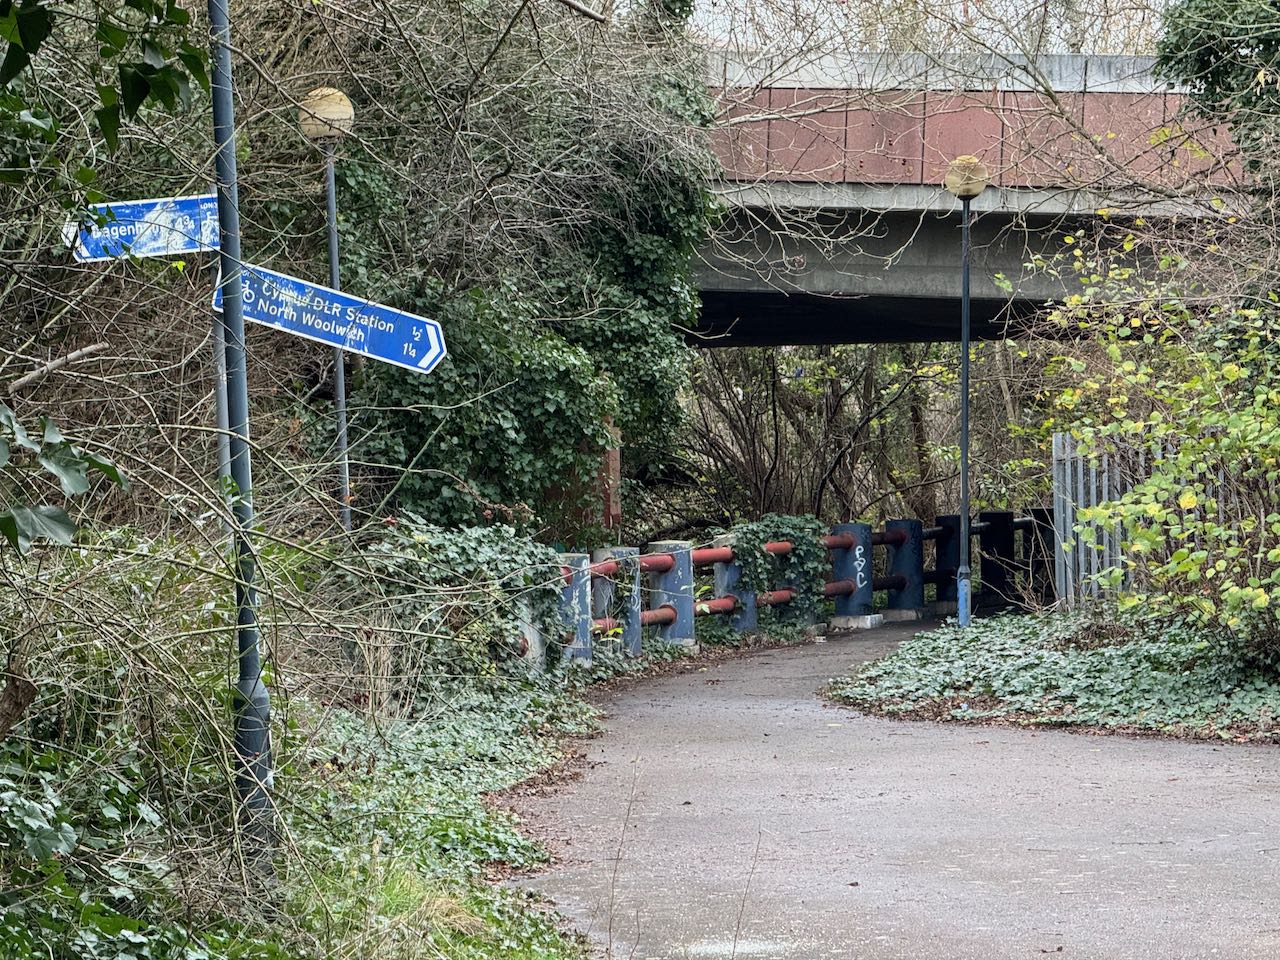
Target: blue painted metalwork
<point>575,607</point>
<point>674,588</point>
<point>163,227</point>
<point>340,320</point>
<point>906,559</point>
<point>948,553</point>
<point>727,579</point>
<point>854,563</point>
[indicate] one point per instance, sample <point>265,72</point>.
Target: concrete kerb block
<point>902,616</point>
<point>675,589</point>
<point>728,579</point>
<point>575,607</point>
<point>866,621</point>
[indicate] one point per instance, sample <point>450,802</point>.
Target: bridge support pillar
<point>854,611</point>
<point>674,588</point>
<point>728,580</point>
<point>575,607</point>
<point>906,560</point>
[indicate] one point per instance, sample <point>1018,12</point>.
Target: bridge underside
<point>819,264</point>
<point>771,318</point>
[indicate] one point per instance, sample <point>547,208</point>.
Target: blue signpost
<point>166,227</point>
<point>339,319</point>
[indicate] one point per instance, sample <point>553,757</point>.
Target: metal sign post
<point>252,704</point>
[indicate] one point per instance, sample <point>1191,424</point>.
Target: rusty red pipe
<point>707,608</point>
<point>707,555</point>
<point>657,562</point>
<point>662,615</point>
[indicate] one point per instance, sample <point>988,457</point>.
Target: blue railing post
<point>674,588</point>
<point>602,588</point>
<point>534,647</point>
<point>1038,549</point>
<point>575,607</point>
<point>854,611</point>
<point>996,559</point>
<point>948,562</point>
<point>906,559</point>
<point>728,581</point>
<point>604,591</point>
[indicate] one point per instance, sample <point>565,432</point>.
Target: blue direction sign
<point>338,319</point>
<point>167,227</point>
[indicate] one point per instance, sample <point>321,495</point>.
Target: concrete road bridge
<point>838,231</point>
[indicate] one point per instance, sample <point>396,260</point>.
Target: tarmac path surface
<point>726,811</point>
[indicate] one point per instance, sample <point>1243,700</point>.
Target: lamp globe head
<point>966,177</point>
<point>325,113</point>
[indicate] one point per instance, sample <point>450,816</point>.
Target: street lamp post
<point>325,116</point>
<point>966,178</point>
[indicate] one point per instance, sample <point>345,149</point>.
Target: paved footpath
<point>727,812</point>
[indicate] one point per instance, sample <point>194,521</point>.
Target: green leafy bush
<point>502,430</point>
<point>24,461</point>
<point>1184,389</point>
<point>804,568</point>
<point>461,602</point>
<point>1076,671</point>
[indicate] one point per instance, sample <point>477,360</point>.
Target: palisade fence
<point>1081,481</point>
<point>613,594</point>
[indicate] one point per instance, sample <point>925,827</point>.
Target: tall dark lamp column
<point>966,178</point>
<point>325,116</point>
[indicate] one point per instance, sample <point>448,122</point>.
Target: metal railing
<point>1015,565</point>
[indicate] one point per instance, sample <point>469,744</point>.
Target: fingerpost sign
<point>330,316</point>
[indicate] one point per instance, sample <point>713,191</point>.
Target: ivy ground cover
<point>1069,670</point>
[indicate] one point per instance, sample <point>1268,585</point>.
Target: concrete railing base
<point>945,608</point>
<point>901,616</point>
<point>867,621</point>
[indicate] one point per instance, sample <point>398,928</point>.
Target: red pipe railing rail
<point>894,538</point>
<point>773,598</point>
<point>720,605</point>
<point>657,562</point>
<point>705,556</point>
<point>658,616</point>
